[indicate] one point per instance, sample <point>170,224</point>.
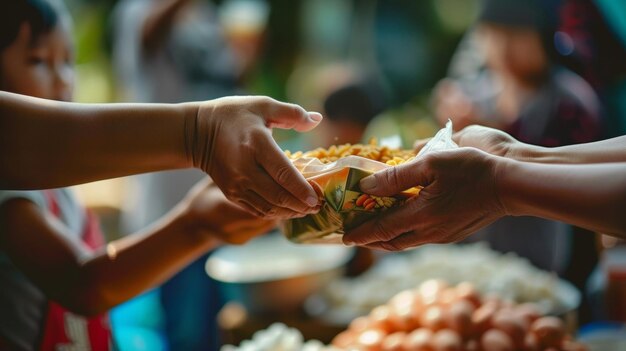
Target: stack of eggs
<point>437,317</point>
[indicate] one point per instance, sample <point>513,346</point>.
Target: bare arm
<point>591,196</point>
<point>500,143</point>
<point>605,151</point>
<point>91,283</point>
<point>466,189</point>
<point>47,144</point>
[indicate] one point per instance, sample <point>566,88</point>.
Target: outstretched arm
<point>467,189</point>
<point>499,143</point>
<point>47,144</point>
<point>591,196</point>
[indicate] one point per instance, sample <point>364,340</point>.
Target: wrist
<point>531,153</point>
<point>196,134</point>
<point>505,193</point>
<point>194,228</point>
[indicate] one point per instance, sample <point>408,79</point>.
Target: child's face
<point>517,51</point>
<point>43,68</point>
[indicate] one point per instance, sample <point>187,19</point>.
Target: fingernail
<point>316,116</point>
<point>348,242</point>
<point>368,183</point>
<point>311,201</point>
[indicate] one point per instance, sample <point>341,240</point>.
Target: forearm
<point>605,151</point>
<point>138,262</point>
<point>48,144</point>
<point>591,196</point>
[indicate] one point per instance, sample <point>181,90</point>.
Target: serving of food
<point>335,173</point>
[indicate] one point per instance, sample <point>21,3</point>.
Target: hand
<point>212,214</point>
<point>232,141</point>
<point>459,197</point>
<point>492,141</point>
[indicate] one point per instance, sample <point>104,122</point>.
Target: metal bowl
<point>272,275</point>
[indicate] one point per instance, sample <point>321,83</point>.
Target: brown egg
<point>403,299</point>
<point>433,318</point>
<point>515,327</point>
<point>492,298</point>
<point>359,324</point>
<point>394,342</point>
<point>447,297</point>
<point>419,340</point>
<point>403,319</point>
<point>459,317</point>
<point>467,291</point>
<point>549,331</point>
<point>481,318</point>
<point>380,318</point>
<point>447,340</point>
<point>344,339</point>
<point>371,339</point>
<point>529,311</point>
<point>496,340</point>
<point>530,342</point>
<point>430,290</point>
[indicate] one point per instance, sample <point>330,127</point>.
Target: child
<point>58,278</point>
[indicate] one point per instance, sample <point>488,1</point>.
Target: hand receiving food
<point>212,214</point>
<point>231,140</point>
<point>458,198</point>
<point>492,141</point>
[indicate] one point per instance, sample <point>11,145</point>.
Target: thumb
<point>394,180</point>
<point>290,116</point>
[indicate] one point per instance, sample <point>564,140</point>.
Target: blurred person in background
<point>591,41</point>
<point>349,108</point>
<point>58,277</point>
<point>505,76</point>
<point>172,51</point>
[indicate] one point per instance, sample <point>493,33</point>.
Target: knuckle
<point>284,174</point>
<point>266,102</point>
<point>391,246</point>
<point>270,211</point>
<point>295,110</point>
<point>282,199</point>
<point>232,194</point>
<point>394,178</point>
<point>383,231</point>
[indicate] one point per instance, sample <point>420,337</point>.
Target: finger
<point>387,226</point>
<point>250,225</point>
<point>275,194</point>
<point>394,180</point>
<point>273,160</point>
<point>268,210</point>
<point>402,242</point>
<point>246,206</point>
<point>291,116</point>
